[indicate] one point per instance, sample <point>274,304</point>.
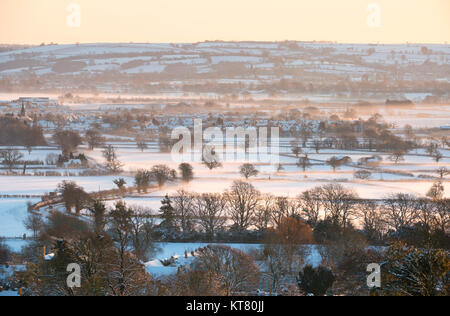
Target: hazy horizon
<point>32,22</point>
<point>222,41</point>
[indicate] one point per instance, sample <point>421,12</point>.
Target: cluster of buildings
<point>36,101</point>
<point>30,102</point>
<point>18,108</point>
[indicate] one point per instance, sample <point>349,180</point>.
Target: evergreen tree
<point>315,281</point>
<point>167,213</point>
<point>98,210</point>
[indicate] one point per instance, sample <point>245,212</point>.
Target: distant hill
<point>233,68</point>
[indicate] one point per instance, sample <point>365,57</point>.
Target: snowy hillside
<point>325,58</point>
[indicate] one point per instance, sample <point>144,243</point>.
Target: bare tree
<point>442,214</point>
<point>120,183</point>
<point>248,170</point>
<point>94,138</point>
<point>280,167</point>
<point>425,212</point>
<point>305,132</point>
<point>311,204</point>
<point>264,212</point>
<point>431,149</point>
<point>187,173</point>
<point>142,229</point>
<point>243,200</point>
<point>188,282</point>
<point>112,163</point>
<point>317,145</point>
<point>284,207</point>
<point>210,210</point>
<point>34,223</point>
<point>437,156</point>
<point>276,264</point>
<point>11,157</point>
<point>296,149</point>
<point>445,141</point>
<point>397,156</point>
<point>125,268</point>
<point>339,203</point>
<point>400,210</point>
<point>236,270</point>
<point>436,192</point>
<point>442,172</point>
<point>373,221</point>
<point>304,163</point>
<point>183,204</point>
<point>141,143</point>
<point>161,174</point>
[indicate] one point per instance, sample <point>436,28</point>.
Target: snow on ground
<point>291,181</point>
<point>168,250</point>
<point>16,244</point>
<point>177,250</point>
<point>12,214</point>
<point>41,185</point>
<point>39,153</point>
<point>148,204</point>
<point>365,189</point>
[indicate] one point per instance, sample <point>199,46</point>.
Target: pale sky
<point>398,21</point>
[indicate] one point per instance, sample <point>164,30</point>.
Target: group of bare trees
<point>242,208</point>
<point>210,212</point>
<point>110,248</point>
<point>405,216</point>
<point>160,174</point>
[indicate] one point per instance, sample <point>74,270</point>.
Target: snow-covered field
<point>18,185</point>
<point>304,61</point>
<point>12,214</point>
<point>16,244</point>
<point>144,58</point>
<point>291,188</point>
<point>290,182</point>
<point>180,250</point>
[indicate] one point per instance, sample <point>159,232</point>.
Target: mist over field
<point>224,168</point>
